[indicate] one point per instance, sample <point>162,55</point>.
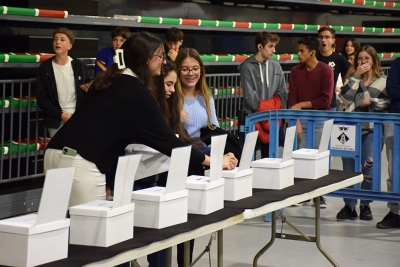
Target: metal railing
<point>228,98</point>
<point>21,120</point>
<point>22,134</point>
<point>342,118</point>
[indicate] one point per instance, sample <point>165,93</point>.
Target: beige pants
<point>89,183</point>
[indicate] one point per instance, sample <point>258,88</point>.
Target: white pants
<point>89,183</point>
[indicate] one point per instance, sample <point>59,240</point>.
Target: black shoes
<point>365,213</point>
<point>391,220</point>
<point>347,213</point>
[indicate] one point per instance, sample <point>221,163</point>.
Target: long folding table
<point>267,200</point>
<point>147,241</point>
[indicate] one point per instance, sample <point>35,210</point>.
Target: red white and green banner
<point>40,57</point>
<point>21,57</point>
<point>364,3</point>
<point>260,25</point>
<point>33,12</point>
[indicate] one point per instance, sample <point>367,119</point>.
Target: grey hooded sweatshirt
<point>261,81</point>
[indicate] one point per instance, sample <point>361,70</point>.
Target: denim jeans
<point>389,139</point>
<point>302,142</point>
<point>367,165</point>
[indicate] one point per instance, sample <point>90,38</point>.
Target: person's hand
<point>65,116</point>
<point>361,69</point>
<point>338,89</point>
<point>108,192</point>
<point>364,103</point>
<point>184,116</point>
<point>85,86</point>
<point>172,54</point>
<point>296,106</point>
<point>229,161</point>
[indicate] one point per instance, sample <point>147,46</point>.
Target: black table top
<point>81,255</point>
<point>263,197</point>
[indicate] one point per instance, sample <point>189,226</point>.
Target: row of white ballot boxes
<point>278,173</point>
<point>35,239</point>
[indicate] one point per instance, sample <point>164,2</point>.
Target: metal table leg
<point>169,257</point>
<point>186,255</point>
<point>272,240</point>
<point>221,248</point>
<point>318,232</point>
<point>134,263</point>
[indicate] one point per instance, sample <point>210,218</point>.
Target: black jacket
<point>109,120</point>
<point>46,91</point>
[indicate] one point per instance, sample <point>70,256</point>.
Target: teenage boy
<point>105,57</point>
<point>173,42</point>
<point>263,84</point>
<point>338,63</point>
<point>311,84</point>
<point>61,82</point>
<point>392,219</point>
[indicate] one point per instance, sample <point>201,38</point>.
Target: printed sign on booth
<point>343,137</point>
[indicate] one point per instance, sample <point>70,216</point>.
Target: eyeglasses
<point>162,57</point>
<point>327,37</point>
<point>194,70</point>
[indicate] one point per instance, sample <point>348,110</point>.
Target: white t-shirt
<point>65,83</point>
<point>339,83</point>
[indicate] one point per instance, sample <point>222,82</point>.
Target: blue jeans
<point>367,165</point>
<point>319,126</point>
<point>389,139</point>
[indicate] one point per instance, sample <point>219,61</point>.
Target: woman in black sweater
<point>118,110</point>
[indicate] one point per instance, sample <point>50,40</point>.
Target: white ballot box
<point>314,163</point>
<point>206,194</point>
<point>35,239</point>
<point>239,181</point>
<point>103,223</point>
<point>160,207</point>
<point>276,173</point>
<point>310,164</point>
<point>98,224</point>
<point>270,173</point>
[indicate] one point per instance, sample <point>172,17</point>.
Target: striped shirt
<point>355,90</point>
<point>195,109</point>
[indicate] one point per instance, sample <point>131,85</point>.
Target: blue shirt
<point>195,109</point>
<point>104,58</point>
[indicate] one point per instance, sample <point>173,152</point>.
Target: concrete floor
<point>350,242</point>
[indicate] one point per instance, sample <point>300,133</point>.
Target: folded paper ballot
<point>124,178</point>
<point>217,155</point>
<point>288,146</point>
<point>326,134</point>
<point>248,151</point>
<point>152,161</point>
